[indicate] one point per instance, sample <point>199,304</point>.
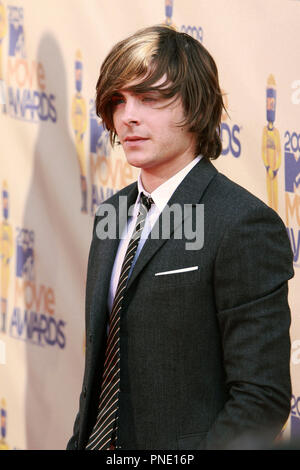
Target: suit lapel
<point>190,191</point>
<point>103,253</point>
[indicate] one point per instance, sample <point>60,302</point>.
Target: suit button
<point>90,338</point>
<point>76,444</point>
<point>84,391</point>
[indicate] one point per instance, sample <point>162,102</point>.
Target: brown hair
<point>191,74</point>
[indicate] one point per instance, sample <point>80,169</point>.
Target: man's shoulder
<point>234,199</point>
<point>228,187</point>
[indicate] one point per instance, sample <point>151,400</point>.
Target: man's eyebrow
<point>120,93</point>
<point>151,92</point>
<point>137,92</point>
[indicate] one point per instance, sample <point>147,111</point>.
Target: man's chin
<point>137,162</point>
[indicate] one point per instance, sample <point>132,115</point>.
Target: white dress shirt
<point>161,195</point>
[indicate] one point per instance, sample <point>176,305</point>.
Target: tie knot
<point>146,201</point>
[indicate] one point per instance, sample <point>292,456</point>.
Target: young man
<point>187,345</point>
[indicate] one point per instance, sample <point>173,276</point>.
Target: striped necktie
<point>103,436</point>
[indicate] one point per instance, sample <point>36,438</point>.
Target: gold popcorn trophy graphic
<point>169,13</point>
<point>271,152</point>
<point>6,251</point>
<point>79,124</point>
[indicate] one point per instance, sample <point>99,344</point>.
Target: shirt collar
<point>162,194</point>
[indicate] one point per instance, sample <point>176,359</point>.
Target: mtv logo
<point>25,261</point>
<point>16,46</point>
<point>99,138</point>
<point>292,173</point>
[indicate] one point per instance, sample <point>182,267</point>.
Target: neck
<point>153,177</point>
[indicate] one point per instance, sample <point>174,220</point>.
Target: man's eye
<point>117,99</point>
<point>148,98</point>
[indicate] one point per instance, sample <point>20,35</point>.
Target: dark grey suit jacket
<point>204,353</point>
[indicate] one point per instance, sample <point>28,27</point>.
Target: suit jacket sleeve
<point>73,441</point>
<point>252,267</point>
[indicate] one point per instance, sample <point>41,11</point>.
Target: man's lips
<point>134,142</point>
<point>135,138</point>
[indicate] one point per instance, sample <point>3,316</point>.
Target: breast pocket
<point>176,277</point>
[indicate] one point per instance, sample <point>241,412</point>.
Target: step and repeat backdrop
<point>57,165</point>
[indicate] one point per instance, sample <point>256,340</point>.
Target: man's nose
<point>131,114</point>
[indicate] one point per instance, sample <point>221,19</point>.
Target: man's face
<point>147,127</point>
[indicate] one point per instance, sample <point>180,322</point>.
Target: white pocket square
<point>182,270</point>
